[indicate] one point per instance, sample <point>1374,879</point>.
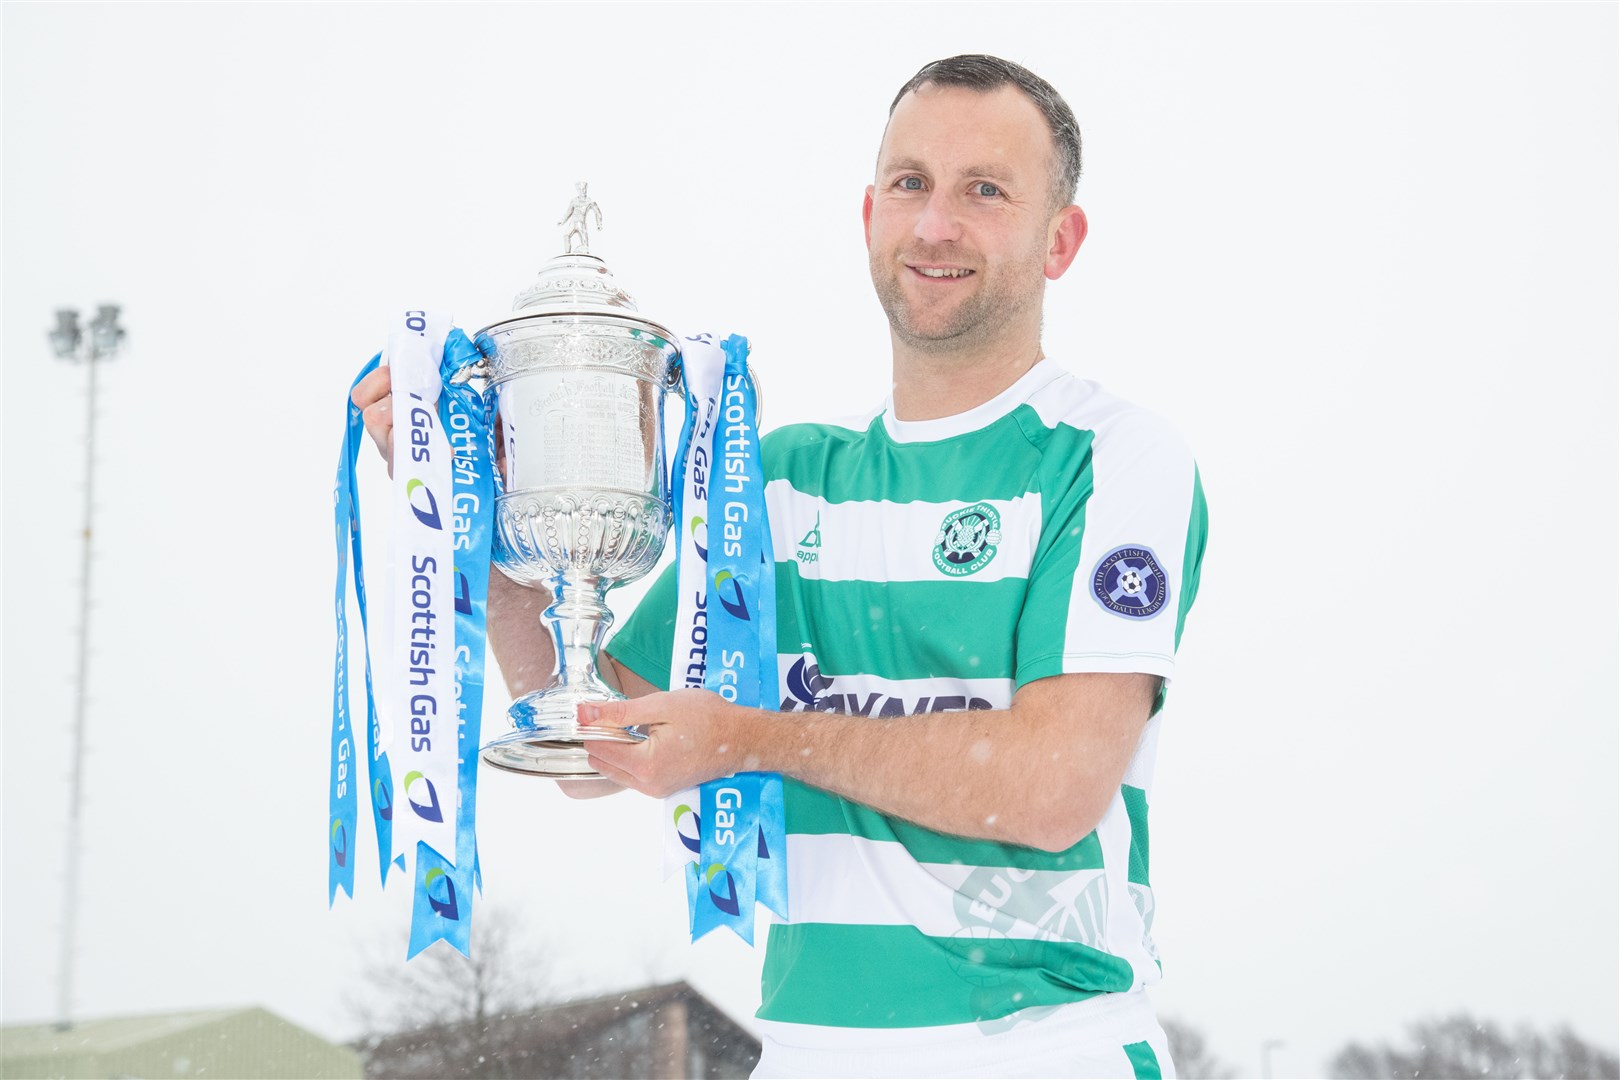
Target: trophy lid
<point>577,283</point>
<point>574,283</point>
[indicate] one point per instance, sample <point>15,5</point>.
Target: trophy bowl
<point>578,380</point>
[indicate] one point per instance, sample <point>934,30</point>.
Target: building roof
<point>218,1042</point>
<point>587,1013</point>
<point>593,1012</point>
<point>666,1030</point>
<point>101,1035</point>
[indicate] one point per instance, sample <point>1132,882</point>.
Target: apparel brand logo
<point>967,540</point>
<point>726,901</point>
<point>1130,582</point>
<point>383,800</point>
<point>429,810</point>
<point>428,514</point>
<point>733,603</point>
<point>690,840</point>
<point>441,900</point>
<point>340,842</point>
<point>809,547</point>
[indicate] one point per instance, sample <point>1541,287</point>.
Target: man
<point>578,220</point>
<point>1004,556</point>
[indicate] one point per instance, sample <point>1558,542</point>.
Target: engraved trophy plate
<point>579,380</point>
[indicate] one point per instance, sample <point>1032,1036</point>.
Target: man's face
<point>960,222</point>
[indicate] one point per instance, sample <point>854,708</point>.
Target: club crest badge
<point>1130,582</point>
<point>967,539</point>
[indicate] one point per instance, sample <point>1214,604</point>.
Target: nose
<point>938,223</point>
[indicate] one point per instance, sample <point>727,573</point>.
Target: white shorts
<point>1111,1035</point>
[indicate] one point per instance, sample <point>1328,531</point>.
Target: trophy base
<point>547,739</point>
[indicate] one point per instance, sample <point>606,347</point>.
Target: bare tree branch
<point>1460,1046</point>
<point>1191,1054</point>
<point>506,973</point>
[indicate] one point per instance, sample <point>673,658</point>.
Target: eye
<point>987,189</point>
<point>910,183</point>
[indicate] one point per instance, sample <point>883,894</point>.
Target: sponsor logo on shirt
<point>811,691</point>
<point>805,682</point>
<point>967,539</point>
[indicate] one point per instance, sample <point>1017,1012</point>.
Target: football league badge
<point>1130,582</point>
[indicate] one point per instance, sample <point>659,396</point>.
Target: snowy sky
<point>1364,256</point>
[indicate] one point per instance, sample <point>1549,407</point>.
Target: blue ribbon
<point>721,887</point>
<point>441,905</point>
<point>342,831</point>
<point>741,846</point>
<point>771,865</point>
<point>341,802</point>
<point>443,889</point>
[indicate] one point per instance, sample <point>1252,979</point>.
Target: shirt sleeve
<point>1122,541</point>
<point>647,638</point>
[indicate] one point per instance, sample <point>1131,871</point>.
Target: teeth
<point>928,271</point>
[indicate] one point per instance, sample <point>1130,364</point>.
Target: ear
<point>866,216</point>
<point>1068,232</point>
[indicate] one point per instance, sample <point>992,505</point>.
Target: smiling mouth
<point>942,272</point>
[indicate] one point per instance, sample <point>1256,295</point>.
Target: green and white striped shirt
<point>939,565</point>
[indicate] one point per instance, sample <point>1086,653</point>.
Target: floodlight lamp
<point>105,333</point>
<point>66,337</point>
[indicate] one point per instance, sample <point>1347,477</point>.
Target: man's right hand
<point>374,397</point>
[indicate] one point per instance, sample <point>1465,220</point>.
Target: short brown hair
<point>975,71</point>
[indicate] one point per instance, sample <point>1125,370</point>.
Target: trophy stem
<point>579,619</point>
<point>547,738</point>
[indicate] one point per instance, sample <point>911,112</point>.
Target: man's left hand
<point>692,736</point>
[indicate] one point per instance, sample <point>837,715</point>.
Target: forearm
<point>1039,774</point>
<point>522,645</point>
<point>953,772</point>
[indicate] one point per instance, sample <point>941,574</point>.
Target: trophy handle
<point>474,369</point>
<point>675,377</point>
<point>759,395</point>
<point>675,383</point>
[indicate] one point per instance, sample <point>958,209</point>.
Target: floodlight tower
<point>1265,1055</point>
<point>70,343</point>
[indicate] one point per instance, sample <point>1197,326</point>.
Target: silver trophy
<point>579,381</point>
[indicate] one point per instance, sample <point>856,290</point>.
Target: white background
<point>1363,256</point>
